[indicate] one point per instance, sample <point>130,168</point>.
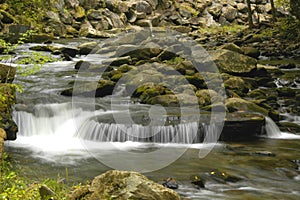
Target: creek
<point>62,137</point>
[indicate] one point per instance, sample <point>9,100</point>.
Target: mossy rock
<point>149,90</point>
<point>232,47</point>
<point>172,100</point>
<point>242,105</point>
<point>207,97</point>
<point>233,63</point>
<point>289,127</point>
<point>91,89</point>
<point>238,85</point>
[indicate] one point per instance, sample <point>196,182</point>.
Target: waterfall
<point>273,131</point>
<point>60,121</point>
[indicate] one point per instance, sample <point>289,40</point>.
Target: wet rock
<point>170,183</point>
<point>241,126</point>
<point>289,127</point>
<point>86,48</point>
<point>149,90</point>
<point>264,153</point>
<point>198,182</point>
<point>82,65</point>
<point>72,52</point>
<point>125,185</point>
<point>220,177</point>
<point>117,61</point>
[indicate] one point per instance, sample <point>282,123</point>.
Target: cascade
<point>61,121</point>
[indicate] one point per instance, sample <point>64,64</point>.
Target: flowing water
<point>56,134</point>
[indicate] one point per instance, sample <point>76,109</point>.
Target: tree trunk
<point>273,10</point>
<point>250,20</point>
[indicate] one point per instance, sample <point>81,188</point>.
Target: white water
<point>274,132</point>
<point>59,133</point>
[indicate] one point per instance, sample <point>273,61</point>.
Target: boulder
<point>207,97</point>
<point>124,185</point>
<point>172,100</point>
<point>242,105</point>
<point>229,13</point>
<point>90,89</point>
<point>87,48</point>
<point>233,63</point>
<point>241,126</point>
<point>238,85</point>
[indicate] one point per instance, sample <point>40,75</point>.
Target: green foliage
<point>174,61</point>
<point>34,61</point>
<point>15,187</point>
<point>32,11</point>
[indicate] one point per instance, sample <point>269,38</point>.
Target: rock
<point>198,182</point>
<point>242,7</point>
<point>69,51</point>
<point>233,63</point>
<point>86,48</point>
<point>242,126</point>
<point>171,100</point>
<point>215,10</point>
<point>289,127</point>
<point>232,47</point>
<point>241,105</point>
<point>143,7</point>
<point>124,185</point>
<point>264,153</point>
<point>45,192</point>
<point>170,183</point>
<point>221,177</point>
<point>87,30</point>
<point>2,133</point>
<point>238,85</point>
<point>207,97</point>
<point>149,90</point>
<point>251,51</point>
<point>229,13</point>
<point>40,37</point>
<point>90,89</point>
<point>79,13</point>
<point>82,65</point>
<point>117,61</point>
<point>7,73</point>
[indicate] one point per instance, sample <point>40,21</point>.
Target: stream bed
<point>47,147</point>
